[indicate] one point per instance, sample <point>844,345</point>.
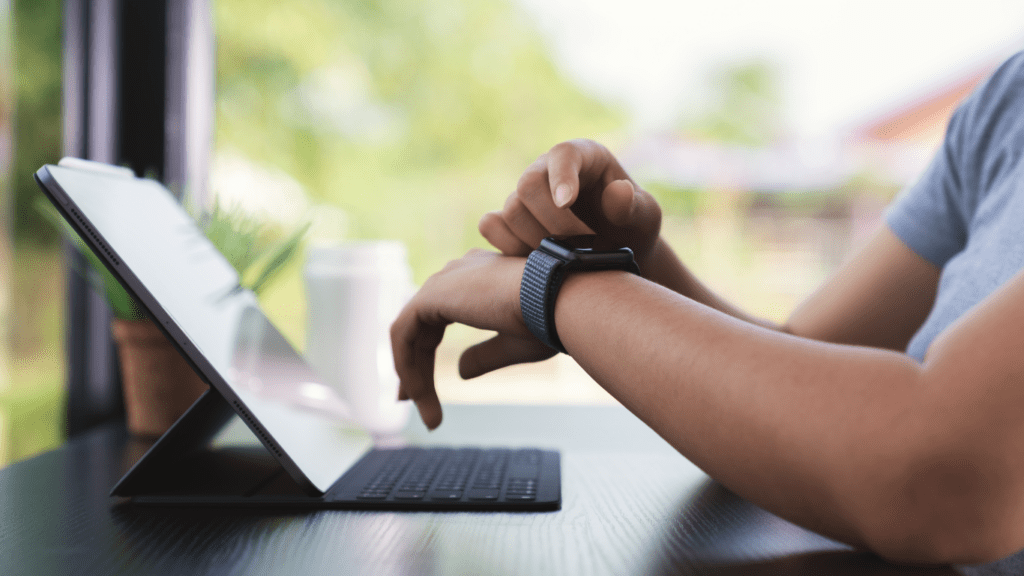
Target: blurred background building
<point>773,134</point>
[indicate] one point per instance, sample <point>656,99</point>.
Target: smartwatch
<point>546,269</point>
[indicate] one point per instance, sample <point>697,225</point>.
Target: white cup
<point>354,291</point>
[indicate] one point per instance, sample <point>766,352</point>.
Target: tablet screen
<point>138,228</point>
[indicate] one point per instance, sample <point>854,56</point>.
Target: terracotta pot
<point>159,385</point>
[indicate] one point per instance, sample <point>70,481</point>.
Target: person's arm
<point>917,462</point>
<point>878,298</point>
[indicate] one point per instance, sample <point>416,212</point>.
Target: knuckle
<point>429,285</point>
<point>588,144</point>
<point>533,173</point>
<point>486,224</point>
<point>525,191</point>
<point>448,267</point>
<point>511,204</point>
<point>563,148</point>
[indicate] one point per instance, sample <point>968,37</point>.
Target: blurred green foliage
<point>745,106</point>
<point>32,406</point>
<point>6,81</point>
<point>258,254</point>
<point>678,200</point>
<point>410,116</point>
<point>35,417</point>
<point>415,118</point>
<point>38,36</point>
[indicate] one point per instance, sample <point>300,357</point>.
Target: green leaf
<point>236,235</point>
<point>281,256</point>
<point>240,237</point>
<point>245,241</point>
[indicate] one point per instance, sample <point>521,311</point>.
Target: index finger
<point>564,163</point>
<point>414,345</point>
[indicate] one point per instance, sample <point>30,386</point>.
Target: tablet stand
<point>183,462</point>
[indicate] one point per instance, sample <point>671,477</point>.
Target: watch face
<point>580,251</point>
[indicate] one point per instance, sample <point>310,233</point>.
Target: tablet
<point>158,253</point>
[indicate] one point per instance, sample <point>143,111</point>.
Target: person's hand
<point>578,187</point>
<point>481,289</point>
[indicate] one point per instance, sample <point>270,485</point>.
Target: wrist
<point>586,296</point>
<point>547,268</point>
<point>653,260</point>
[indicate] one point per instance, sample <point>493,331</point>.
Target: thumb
<point>618,202</point>
<point>627,206</point>
<point>501,351</point>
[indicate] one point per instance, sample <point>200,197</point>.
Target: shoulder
<point>985,137</point>
<point>995,111</point>
<point>984,142</point>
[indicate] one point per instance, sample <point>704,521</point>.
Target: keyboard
<point>440,477</point>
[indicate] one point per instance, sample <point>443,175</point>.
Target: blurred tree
<point>746,106</point>
<point>6,80</point>
<point>36,47</point>
<point>6,106</point>
<point>413,117</point>
<point>30,404</point>
<point>37,114</point>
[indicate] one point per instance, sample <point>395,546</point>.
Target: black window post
<point>138,91</point>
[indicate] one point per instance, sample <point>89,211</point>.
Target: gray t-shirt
<point>966,213</point>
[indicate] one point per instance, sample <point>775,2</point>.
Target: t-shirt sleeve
<point>933,216</point>
<point>930,216</point>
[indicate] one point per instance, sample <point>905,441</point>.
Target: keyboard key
<point>446,495</point>
<point>373,496</point>
<point>486,495</point>
<point>402,495</point>
<point>520,497</point>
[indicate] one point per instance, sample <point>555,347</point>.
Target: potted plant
<point>159,384</point>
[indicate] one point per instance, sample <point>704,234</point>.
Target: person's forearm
<point>806,429</point>
<point>664,267</point>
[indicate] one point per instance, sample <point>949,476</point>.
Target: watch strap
<point>542,279</point>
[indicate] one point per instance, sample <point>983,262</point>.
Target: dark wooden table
<point>632,505</point>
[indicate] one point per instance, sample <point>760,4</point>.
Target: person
<point>887,412</point>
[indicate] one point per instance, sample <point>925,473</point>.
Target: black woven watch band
<point>541,281</point>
